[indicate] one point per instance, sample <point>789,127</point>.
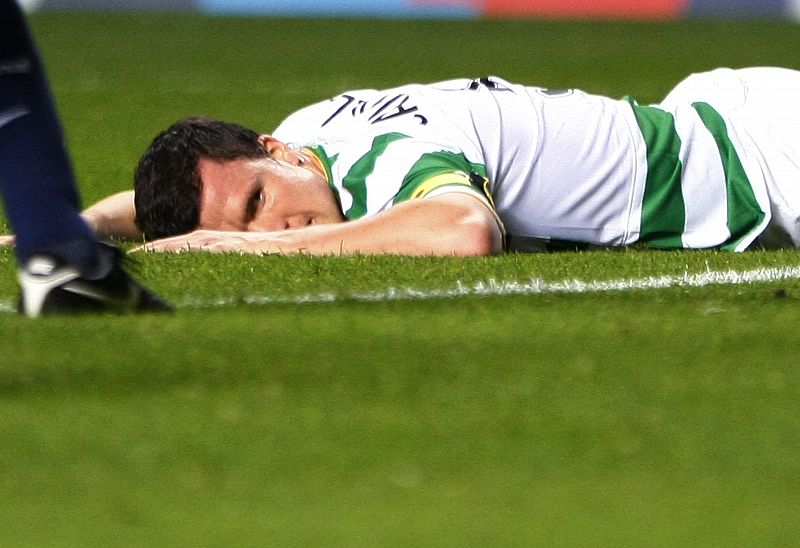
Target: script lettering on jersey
<point>385,108</point>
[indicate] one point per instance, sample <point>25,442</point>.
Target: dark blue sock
<point>36,179</point>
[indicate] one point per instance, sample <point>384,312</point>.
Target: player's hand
<point>7,240</point>
<point>213,241</point>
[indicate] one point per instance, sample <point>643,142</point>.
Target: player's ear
<point>272,146</point>
<point>280,150</point>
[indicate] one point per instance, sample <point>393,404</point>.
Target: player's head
<point>167,181</point>
<point>208,174</point>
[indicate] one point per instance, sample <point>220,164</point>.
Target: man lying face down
<point>475,167</point>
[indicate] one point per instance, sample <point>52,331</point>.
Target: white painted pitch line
<point>493,287</point>
<point>534,286</point>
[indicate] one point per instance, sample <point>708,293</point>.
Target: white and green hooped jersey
<point>557,165</point>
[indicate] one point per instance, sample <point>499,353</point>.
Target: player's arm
<point>448,224</point>
<point>114,217</point>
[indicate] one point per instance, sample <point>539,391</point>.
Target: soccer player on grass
<point>63,265</point>
<point>472,167</point>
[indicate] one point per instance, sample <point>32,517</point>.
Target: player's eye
<point>254,203</point>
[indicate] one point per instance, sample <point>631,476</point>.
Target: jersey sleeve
<point>443,172</point>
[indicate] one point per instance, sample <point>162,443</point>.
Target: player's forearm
<point>114,217</point>
<point>415,229</point>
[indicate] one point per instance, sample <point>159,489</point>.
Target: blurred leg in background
<point>63,265</point>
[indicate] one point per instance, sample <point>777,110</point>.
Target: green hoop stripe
<point>744,211</point>
<point>355,181</point>
<point>663,208</point>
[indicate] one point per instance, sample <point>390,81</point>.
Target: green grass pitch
<point>280,407</point>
